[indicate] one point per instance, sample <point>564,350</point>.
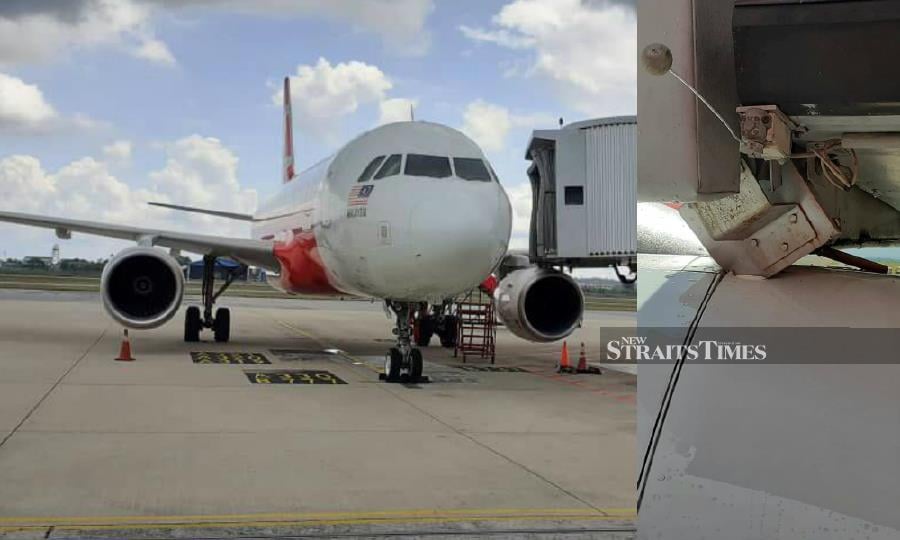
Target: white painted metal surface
<point>419,238</point>
<point>772,450</point>
<point>611,177</point>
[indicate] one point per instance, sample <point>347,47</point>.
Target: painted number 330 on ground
<point>293,377</point>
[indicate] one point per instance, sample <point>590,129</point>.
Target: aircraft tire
<point>392,363</point>
<point>425,331</point>
<point>448,336</point>
<point>192,324</point>
<point>222,325</point>
<point>415,365</point>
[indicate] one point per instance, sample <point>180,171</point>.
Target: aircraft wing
<point>248,251</point>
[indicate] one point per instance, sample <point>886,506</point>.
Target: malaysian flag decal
<point>359,195</point>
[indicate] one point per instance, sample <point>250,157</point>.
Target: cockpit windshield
<point>433,166</point>
<point>471,169</point>
<point>390,168</point>
<point>370,169</point>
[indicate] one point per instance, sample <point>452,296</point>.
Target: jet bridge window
<point>432,166</point>
<point>390,168</point>
<point>370,169</point>
<point>471,169</point>
<point>574,195</point>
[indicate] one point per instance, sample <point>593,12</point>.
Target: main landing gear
<point>403,358</point>
<point>221,323</point>
<point>438,320</point>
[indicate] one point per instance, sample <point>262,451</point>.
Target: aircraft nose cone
<point>460,237</point>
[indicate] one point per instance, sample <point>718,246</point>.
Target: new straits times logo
<point>637,349</point>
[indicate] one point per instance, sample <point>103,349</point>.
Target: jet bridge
<point>583,193</point>
<point>803,149</point>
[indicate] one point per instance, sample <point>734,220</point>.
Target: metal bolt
<point>793,218</point>
<point>784,246</point>
<point>755,242</point>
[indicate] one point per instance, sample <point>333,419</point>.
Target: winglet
<point>288,157</point>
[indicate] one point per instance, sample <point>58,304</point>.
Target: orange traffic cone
<point>582,360</point>
<point>583,365</point>
<point>125,349</point>
<point>564,366</point>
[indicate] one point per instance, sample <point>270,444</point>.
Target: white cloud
<point>118,151</point>
<point>520,199</point>
<point>22,106</point>
<point>323,93</point>
<point>489,124</point>
<point>501,37</point>
<point>155,51</point>
<point>396,110</point>
<point>23,110</point>
<point>38,31</point>
<point>199,171</point>
<point>400,24</point>
<point>586,49</point>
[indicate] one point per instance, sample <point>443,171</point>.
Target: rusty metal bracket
<point>751,233</point>
<point>765,132</point>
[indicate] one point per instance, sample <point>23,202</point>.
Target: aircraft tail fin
<point>288,157</point>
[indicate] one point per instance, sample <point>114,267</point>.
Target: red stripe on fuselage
<point>302,270</point>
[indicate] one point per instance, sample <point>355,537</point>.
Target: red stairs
<point>476,332</point>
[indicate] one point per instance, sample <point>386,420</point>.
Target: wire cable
<point>828,154</point>
<point>708,105</point>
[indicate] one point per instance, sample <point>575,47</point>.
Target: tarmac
<point>176,445</point>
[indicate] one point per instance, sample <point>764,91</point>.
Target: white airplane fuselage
<point>403,236</point>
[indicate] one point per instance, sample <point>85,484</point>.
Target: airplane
<point>408,212</point>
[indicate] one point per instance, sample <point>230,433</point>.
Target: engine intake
<point>142,287</point>
<point>539,304</point>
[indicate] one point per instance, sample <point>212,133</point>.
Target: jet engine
<point>539,304</point>
<point>142,287</point>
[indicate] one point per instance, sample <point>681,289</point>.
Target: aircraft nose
<point>460,236</point>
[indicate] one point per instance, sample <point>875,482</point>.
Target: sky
<point>108,104</point>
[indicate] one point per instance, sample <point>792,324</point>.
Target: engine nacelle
<point>539,304</point>
<point>142,287</point>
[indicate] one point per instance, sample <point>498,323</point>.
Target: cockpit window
<point>433,166</point>
<point>390,168</point>
<point>471,169</point>
<point>370,169</point>
<point>493,173</point>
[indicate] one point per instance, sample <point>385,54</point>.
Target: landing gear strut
<point>221,323</point>
<point>403,357</point>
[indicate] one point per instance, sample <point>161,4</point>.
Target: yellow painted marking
<point>321,344</point>
<point>336,518</point>
<point>303,333</point>
<point>336,522</point>
<point>359,361</point>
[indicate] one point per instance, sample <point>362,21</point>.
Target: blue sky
<point>105,104</point>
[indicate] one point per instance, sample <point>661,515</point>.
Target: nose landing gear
<point>404,358</point>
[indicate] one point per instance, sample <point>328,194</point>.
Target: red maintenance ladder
<point>476,325</point>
